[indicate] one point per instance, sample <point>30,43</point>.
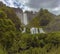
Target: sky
<point>35,5</point>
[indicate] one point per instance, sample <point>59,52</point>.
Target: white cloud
<point>21,3</point>
<point>56,9</point>
<point>51,5</point>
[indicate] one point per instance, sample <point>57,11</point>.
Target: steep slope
<point>54,25</point>
<point>10,14</point>
<point>43,18</point>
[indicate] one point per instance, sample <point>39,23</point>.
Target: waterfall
<point>25,20</point>
<point>24,30</point>
<point>34,30</point>
<point>41,30</point>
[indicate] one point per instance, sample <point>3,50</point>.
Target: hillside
<point>54,25</point>
<point>47,20</point>
<point>10,14</point>
<point>43,18</point>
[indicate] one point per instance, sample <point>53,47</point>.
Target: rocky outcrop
<point>1,4</point>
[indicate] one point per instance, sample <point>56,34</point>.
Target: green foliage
<point>7,33</point>
<point>15,43</point>
<point>43,18</point>
<point>6,25</point>
<point>7,12</point>
<point>2,51</point>
<point>42,43</point>
<point>2,14</point>
<point>37,44</point>
<point>54,25</point>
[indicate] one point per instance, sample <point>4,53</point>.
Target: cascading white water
<point>25,20</point>
<point>34,30</point>
<point>41,30</point>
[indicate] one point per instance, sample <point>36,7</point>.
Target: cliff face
<point>19,13</point>
<point>1,4</point>
<point>30,15</point>
<point>25,17</point>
